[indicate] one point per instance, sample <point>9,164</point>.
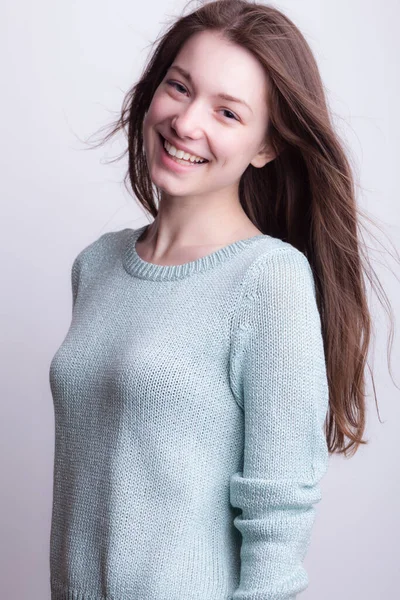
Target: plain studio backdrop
<point>65,68</point>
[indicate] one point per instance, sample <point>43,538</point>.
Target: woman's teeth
<point>180,156</point>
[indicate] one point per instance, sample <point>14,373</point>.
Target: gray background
<point>65,67</point>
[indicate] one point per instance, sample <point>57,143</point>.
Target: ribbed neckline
<point>138,267</point>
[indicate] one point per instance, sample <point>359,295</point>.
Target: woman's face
<point>191,113</point>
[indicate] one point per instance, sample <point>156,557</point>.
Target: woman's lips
<point>162,139</point>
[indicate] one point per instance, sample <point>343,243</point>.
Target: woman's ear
<point>264,156</point>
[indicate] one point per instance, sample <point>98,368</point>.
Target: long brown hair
<point>305,196</point>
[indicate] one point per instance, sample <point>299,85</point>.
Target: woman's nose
<point>188,123</point>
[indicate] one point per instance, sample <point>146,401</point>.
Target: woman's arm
<point>281,383</point>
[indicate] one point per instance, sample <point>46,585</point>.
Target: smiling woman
<point>215,357</point>
<point>196,116</point>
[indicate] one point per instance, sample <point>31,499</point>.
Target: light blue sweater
<point>189,409</point>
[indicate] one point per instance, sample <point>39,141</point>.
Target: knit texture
<point>189,409</point>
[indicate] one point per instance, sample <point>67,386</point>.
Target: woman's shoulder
<point>102,243</point>
<point>278,266</point>
<point>275,251</point>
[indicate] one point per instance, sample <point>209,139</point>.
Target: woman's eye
<point>231,113</point>
<point>175,83</point>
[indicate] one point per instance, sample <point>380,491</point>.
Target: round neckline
<point>138,267</point>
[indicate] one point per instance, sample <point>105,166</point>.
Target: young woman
<point>216,356</point>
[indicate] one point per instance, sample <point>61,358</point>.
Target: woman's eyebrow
<point>222,95</point>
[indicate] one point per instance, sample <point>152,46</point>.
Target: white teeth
<point>181,154</point>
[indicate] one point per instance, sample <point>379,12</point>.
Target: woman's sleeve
<point>279,378</point>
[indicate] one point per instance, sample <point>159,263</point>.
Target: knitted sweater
<point>189,409</point>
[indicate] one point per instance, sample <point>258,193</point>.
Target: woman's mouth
<point>180,161</point>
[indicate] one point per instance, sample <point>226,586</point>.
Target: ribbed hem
<point>138,267</point>
<point>64,592</point>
